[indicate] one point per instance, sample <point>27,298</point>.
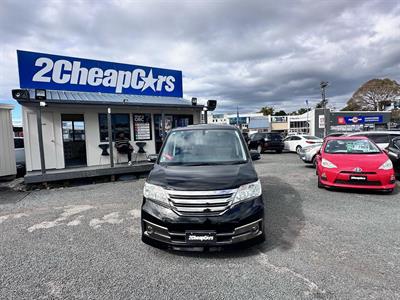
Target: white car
<point>295,143</point>
<point>381,138</point>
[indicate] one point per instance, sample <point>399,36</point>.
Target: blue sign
<point>363,119</point>
<point>242,120</point>
<point>54,72</point>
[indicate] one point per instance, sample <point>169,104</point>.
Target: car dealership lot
<point>84,242</point>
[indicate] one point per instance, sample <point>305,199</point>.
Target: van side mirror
<point>152,158</point>
<point>386,150</point>
<point>255,155</point>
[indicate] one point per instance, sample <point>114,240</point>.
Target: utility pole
<point>308,122</point>
<point>323,85</point>
<point>237,116</point>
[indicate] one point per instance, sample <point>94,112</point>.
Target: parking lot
<point>84,242</point>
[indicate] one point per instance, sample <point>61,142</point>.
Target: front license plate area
<point>356,178</point>
<point>201,237</point>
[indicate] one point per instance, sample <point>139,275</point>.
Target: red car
<point>354,162</point>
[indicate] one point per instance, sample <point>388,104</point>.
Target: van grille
<point>201,202</point>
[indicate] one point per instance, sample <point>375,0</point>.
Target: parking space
<point>84,242</point>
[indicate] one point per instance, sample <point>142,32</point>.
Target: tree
<point>320,104</point>
<point>267,110</point>
<point>302,111</point>
<point>280,113</point>
<point>375,94</point>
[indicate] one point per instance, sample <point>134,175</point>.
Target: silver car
<point>308,154</point>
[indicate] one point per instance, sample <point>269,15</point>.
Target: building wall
<point>280,126</point>
<point>7,153</point>
<point>53,140</point>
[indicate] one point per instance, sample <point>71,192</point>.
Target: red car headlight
<point>387,165</point>
<point>327,164</point>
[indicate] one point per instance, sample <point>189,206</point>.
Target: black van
<point>203,191</point>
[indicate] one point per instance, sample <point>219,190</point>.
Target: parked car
<point>203,191</point>
<point>308,154</point>
<point>354,162</point>
<point>19,149</point>
<point>381,138</point>
<point>263,141</point>
<point>394,154</point>
<point>334,134</point>
<point>294,143</point>
<point>246,137</point>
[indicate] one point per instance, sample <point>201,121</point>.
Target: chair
<point>104,147</point>
<point>141,150</point>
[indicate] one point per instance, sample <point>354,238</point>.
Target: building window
<point>119,123</point>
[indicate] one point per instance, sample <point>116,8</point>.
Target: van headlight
<point>248,191</point>
<point>387,165</point>
<point>155,193</point>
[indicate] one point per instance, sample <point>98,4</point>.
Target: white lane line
<point>312,286</point>
<point>111,218</point>
<point>135,213</point>
<point>12,216</point>
<point>69,211</point>
<point>75,222</point>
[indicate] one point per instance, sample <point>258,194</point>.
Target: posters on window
<point>142,127</point>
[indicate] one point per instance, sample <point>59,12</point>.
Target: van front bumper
<point>242,222</point>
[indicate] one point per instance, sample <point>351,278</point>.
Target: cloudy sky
<point>246,53</point>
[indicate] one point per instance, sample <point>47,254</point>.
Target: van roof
<point>206,126</point>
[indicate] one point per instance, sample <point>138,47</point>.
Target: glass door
<point>73,131</point>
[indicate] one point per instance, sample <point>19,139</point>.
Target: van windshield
<point>203,147</point>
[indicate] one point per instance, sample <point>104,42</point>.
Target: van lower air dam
<point>69,73</point>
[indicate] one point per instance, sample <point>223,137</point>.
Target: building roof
<point>6,106</point>
<point>70,97</point>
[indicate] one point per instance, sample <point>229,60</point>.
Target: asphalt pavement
<point>84,242</point>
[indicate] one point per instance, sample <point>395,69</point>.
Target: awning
<point>86,98</point>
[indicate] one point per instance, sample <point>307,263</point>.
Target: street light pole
<point>323,85</point>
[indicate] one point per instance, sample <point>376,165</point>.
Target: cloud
<point>246,53</point>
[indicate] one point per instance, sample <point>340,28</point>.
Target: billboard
<point>55,72</point>
<point>343,120</point>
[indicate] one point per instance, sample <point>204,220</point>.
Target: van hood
<point>202,178</point>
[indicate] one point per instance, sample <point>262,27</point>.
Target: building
<point>218,118</point>
<point>7,153</point>
<point>354,121</point>
<point>313,122</point>
<point>76,102</point>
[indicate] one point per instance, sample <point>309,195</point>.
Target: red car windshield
<point>351,147</point>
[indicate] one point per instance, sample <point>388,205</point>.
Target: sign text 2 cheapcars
<point>54,72</point>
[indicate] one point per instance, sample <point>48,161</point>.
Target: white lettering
<point>78,73</point>
<point>170,84</point>
<point>95,76</point>
<point>60,66</point>
<point>123,81</point>
<point>160,82</point>
<point>136,84</point>
<point>48,65</point>
<point>64,71</point>
<point>110,78</point>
